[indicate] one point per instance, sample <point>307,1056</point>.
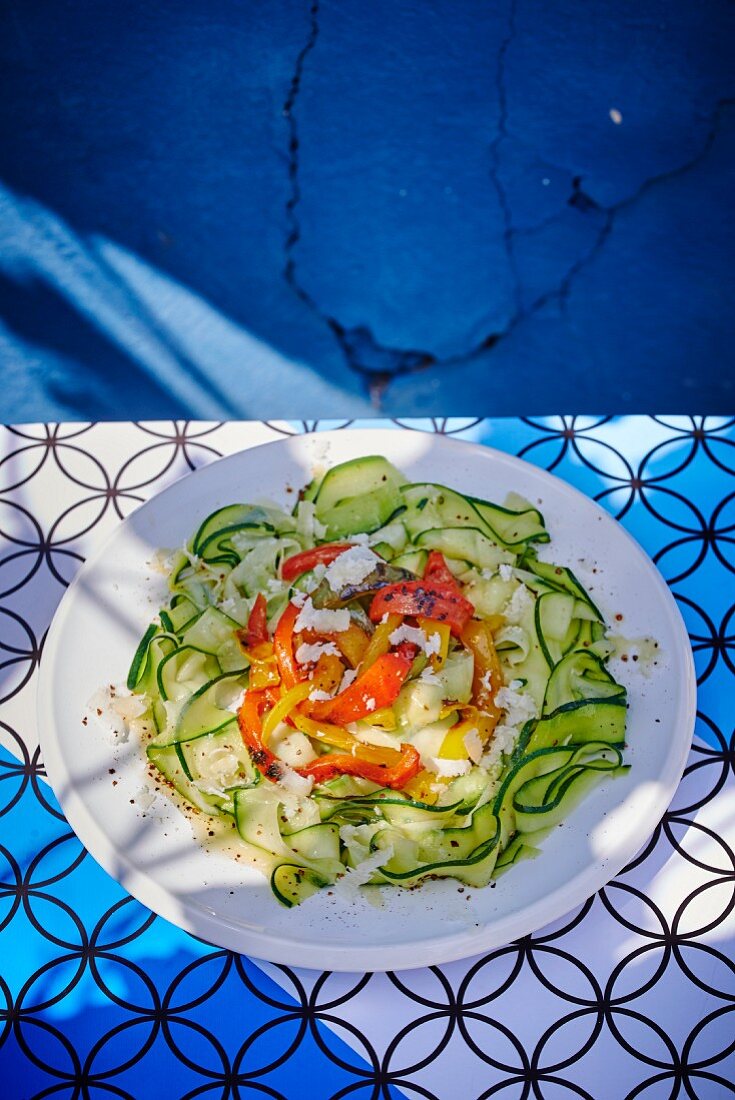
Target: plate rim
<point>203,923</point>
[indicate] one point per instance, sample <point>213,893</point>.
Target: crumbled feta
<point>350,674</point>
<point>486,680</point>
<point>319,696</point>
<point>359,539</point>
<point>428,676</point>
<point>309,654</point>
<point>503,740</point>
<point>274,585</point>
<point>351,567</point>
<point>370,704</point>
<point>324,621</point>
<point>505,571</point>
<point>416,636</point>
<point>473,743</point>
<point>446,769</point>
<point>518,605</point>
<point>298,598</point>
<point>518,707</point>
<point>515,685</point>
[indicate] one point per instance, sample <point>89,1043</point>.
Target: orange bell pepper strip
<point>283,638</point>
<point>487,678</point>
<point>375,689</point>
<point>305,560</point>
<point>441,602</point>
<point>387,775</point>
<point>249,719</point>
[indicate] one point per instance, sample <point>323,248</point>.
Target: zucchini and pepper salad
<point>384,685</point>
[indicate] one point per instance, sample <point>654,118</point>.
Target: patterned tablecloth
<point>633,994</point>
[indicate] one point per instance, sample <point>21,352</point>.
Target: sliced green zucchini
<point>357,478</point>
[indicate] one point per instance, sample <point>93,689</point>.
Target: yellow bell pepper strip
<point>352,643</point>
<point>263,670</point>
<point>290,671</point>
<point>373,690</point>
<point>487,678</point>
<point>385,718</point>
<point>328,673</point>
<point>420,788</point>
<point>283,708</point>
<point>431,627</point>
<point>387,775</point>
<point>380,641</point>
<point>340,738</point>
<point>453,746</point>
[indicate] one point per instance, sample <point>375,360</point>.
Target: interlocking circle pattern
<point>632,995</point>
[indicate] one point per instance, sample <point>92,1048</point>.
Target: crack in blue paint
<point>378,363</point>
<point>501,135</point>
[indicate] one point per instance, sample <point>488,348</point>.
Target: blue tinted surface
<point>220,209</point>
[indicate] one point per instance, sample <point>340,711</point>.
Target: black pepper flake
<point>84,721</point>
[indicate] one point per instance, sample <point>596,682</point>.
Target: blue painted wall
<point>297,208</point>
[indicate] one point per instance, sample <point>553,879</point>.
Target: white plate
<point>154,854</point>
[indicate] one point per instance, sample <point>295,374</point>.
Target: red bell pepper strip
<point>338,763</point>
<point>437,571</point>
<point>306,559</point>
<point>290,671</point>
<point>256,631</point>
<point>430,600</point>
<point>375,689</point>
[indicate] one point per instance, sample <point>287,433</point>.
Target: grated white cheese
<point>416,636</point>
<point>370,703</point>
<point>486,680</point>
<point>294,783</point>
<point>298,598</point>
<point>309,654</point>
<point>355,877</point>
<point>359,539</point>
<point>323,621</point>
<point>351,567</point>
<point>446,769</point>
<point>473,744</point>
<point>505,571</point>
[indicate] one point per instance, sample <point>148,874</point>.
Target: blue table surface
<point>230,210</point>
<point>99,997</point>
